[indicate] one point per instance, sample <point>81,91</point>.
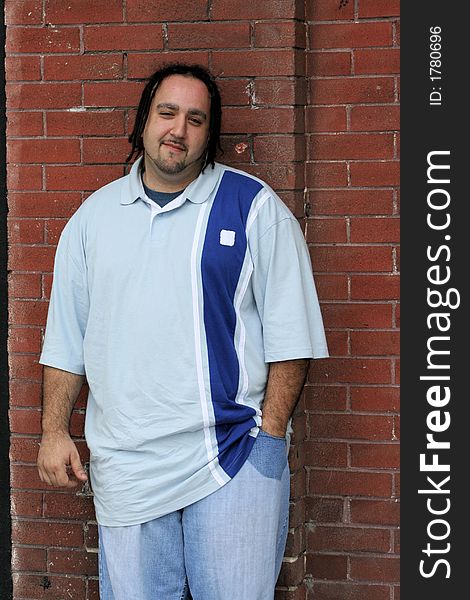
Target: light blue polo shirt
<point>173,314</point>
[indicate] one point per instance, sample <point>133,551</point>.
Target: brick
<point>123,37</point>
<point>25,449</point>
<point>91,535</point>
<point>48,533</point>
<point>281,176</point>
<point>24,124</point>
<point>321,230</point>
<point>328,566</point>
<point>44,204</point>
<point>337,343</point>
<point>24,285</point>
<point>25,366</point>
<point>375,399</point>
<point>357,315</point>
<point>42,40</point>
<point>375,118</point>
<point>375,287</point>
<point>94,592</point>
<point>262,120</point>
<point>375,456</point>
<point>282,63</point>
<point>352,202</point>
<point>347,258</point>
<point>166,10</point>
<point>350,370</point>
<point>292,572</point>
<point>88,66</point>
<point>326,174</point>
<point>275,92</point>
<point>24,339</point>
<point>331,287</point>
<point>208,35</point>
<point>20,177</point>
<point>85,122</point>
<point>43,95</point>
<point>72,561</point>
<point>324,510</point>
<point>325,397</point>
<point>81,177</point>
<point>375,343</point>
<point>28,559</point>
<point>329,10</point>
<point>377,61</point>
<point>53,230</point>
<point>31,587</point>
<point>344,539</point>
<point>397,32</point>
<point>26,504</point>
<point>234,92</point>
<point>350,427</point>
<point>142,65</point>
<point>328,64</point>
<point>351,90</point>
<point>348,591</point>
<point>68,505</point>
<point>115,94</point>
<point>350,483</point>
<point>375,569</point>
<point>326,454</point>
<point>83,11</point>
<point>351,146</point>
<point>26,12</point>
<point>47,285</point>
<point>283,34</point>
<point>31,258</point>
<point>236,148</point>
<point>43,151</point>
<point>25,231</point>
<point>350,35</point>
<point>105,150</point>
<point>279,148</point>
<point>377,174</point>
<point>276,9</point>
<point>29,312</point>
<point>325,118</point>
<point>375,512</point>
<point>77,423</point>
<point>384,8</point>
<point>375,230</point>
<point>22,68</point>
<point>25,393</point>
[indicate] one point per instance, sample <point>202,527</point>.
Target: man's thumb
<point>77,467</point>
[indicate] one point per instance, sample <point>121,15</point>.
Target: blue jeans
<point>227,546</point>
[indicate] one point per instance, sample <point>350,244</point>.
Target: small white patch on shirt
<point>227,237</point>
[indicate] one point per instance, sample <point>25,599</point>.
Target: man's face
<point>176,133</point>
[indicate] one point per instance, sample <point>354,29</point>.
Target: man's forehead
<point>182,83</point>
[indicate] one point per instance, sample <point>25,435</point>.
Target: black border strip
<point>6,588</point>
<point>434,235</point>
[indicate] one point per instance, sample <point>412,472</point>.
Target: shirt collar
<point>198,191</point>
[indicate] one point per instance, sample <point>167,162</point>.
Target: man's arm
<point>285,382</point>
<point>57,450</point>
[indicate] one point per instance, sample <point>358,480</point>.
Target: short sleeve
<point>285,294</point>
<point>68,308</point>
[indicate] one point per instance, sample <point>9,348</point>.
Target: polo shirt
<point>173,314</point>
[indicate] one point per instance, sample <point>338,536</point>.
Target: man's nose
<point>179,127</point>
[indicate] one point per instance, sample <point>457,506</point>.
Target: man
<point>184,292</point>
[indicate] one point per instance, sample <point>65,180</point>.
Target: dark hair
<point>154,81</point>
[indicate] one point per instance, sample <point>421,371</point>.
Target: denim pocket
<point>269,455</point>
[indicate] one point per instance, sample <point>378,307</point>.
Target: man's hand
<point>56,453</point>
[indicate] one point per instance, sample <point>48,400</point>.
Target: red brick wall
<point>310,96</point>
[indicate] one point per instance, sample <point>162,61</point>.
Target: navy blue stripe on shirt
<point>222,259</point>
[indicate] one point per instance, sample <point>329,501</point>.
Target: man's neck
<point>162,182</point>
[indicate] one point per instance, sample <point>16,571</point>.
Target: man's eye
<point>196,121</point>
<point>166,114</point>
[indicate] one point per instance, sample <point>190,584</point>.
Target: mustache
<point>174,143</point>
